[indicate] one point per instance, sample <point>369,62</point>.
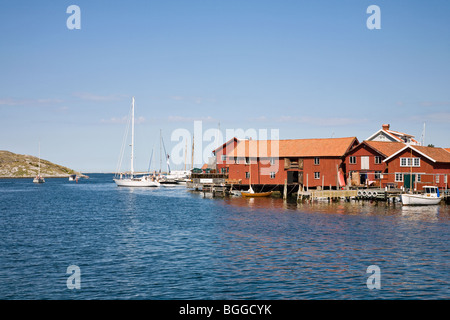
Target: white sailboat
<point>39,178</point>
<point>129,180</point>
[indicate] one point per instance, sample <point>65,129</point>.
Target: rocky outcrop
<point>13,165</point>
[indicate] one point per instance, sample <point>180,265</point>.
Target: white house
<point>387,135</point>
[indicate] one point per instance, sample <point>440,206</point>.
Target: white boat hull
<point>38,180</point>
<point>419,200</point>
<point>136,183</point>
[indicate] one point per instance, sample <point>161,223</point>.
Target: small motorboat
<point>430,196</point>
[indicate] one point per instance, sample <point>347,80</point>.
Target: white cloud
<point>190,119</point>
<point>320,121</point>
<point>29,102</point>
<point>122,120</point>
<point>196,100</point>
<point>97,98</point>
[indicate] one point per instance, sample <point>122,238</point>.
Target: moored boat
<point>39,178</point>
<point>256,194</point>
<point>430,196</point>
<point>129,180</point>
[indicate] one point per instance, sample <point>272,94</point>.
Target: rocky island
<point>13,165</point>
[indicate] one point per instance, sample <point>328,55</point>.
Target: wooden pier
<point>218,185</point>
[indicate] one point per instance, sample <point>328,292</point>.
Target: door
<point>408,183</point>
<point>292,177</point>
<point>364,163</point>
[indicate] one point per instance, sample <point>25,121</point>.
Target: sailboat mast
<point>160,150</point>
<point>192,159</point>
<point>39,170</point>
<point>132,137</point>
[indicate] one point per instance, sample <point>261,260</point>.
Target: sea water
<point>172,243</point>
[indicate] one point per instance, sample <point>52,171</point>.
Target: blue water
<point>170,243</point>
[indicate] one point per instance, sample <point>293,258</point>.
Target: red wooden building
<point>416,166</point>
<point>309,163</point>
<point>364,164</point>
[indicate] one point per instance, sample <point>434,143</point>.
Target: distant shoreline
<point>45,177</point>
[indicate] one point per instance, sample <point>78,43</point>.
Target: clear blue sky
<point>311,69</point>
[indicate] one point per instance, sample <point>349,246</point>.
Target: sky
<point>304,69</point>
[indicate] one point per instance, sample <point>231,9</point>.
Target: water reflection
<point>365,208</point>
<point>430,213</point>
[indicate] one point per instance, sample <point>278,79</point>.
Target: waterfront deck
<point>219,185</point>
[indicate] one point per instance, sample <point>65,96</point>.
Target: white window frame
<point>377,160</point>
<point>397,175</point>
<point>272,175</point>
<point>410,162</point>
<point>247,175</point>
<point>317,175</point>
<point>316,161</point>
<point>352,159</point>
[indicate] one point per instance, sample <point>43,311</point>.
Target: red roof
<point>434,154</point>
<point>438,154</point>
<point>330,147</point>
<point>385,148</point>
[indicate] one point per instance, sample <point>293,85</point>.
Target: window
<point>377,159</point>
<point>272,175</point>
<point>437,178</point>
<point>316,175</point>
<point>247,175</point>
<point>409,162</point>
<point>316,161</point>
<point>352,160</point>
<point>377,174</point>
<point>236,160</point>
<point>398,177</point>
<point>247,160</point>
<point>272,161</point>
<point>225,170</point>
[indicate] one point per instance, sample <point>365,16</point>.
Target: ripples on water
<point>169,243</point>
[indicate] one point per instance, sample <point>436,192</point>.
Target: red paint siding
<point>371,165</point>
<point>427,168</point>
<point>261,169</point>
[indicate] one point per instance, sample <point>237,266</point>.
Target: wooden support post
<point>285,190</point>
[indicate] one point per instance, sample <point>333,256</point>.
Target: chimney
<point>385,126</point>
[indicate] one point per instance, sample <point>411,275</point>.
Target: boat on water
<point>256,194</point>
<point>251,193</point>
<point>39,178</point>
<point>168,180</point>
<point>430,196</point>
<point>129,179</point>
<point>132,181</point>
